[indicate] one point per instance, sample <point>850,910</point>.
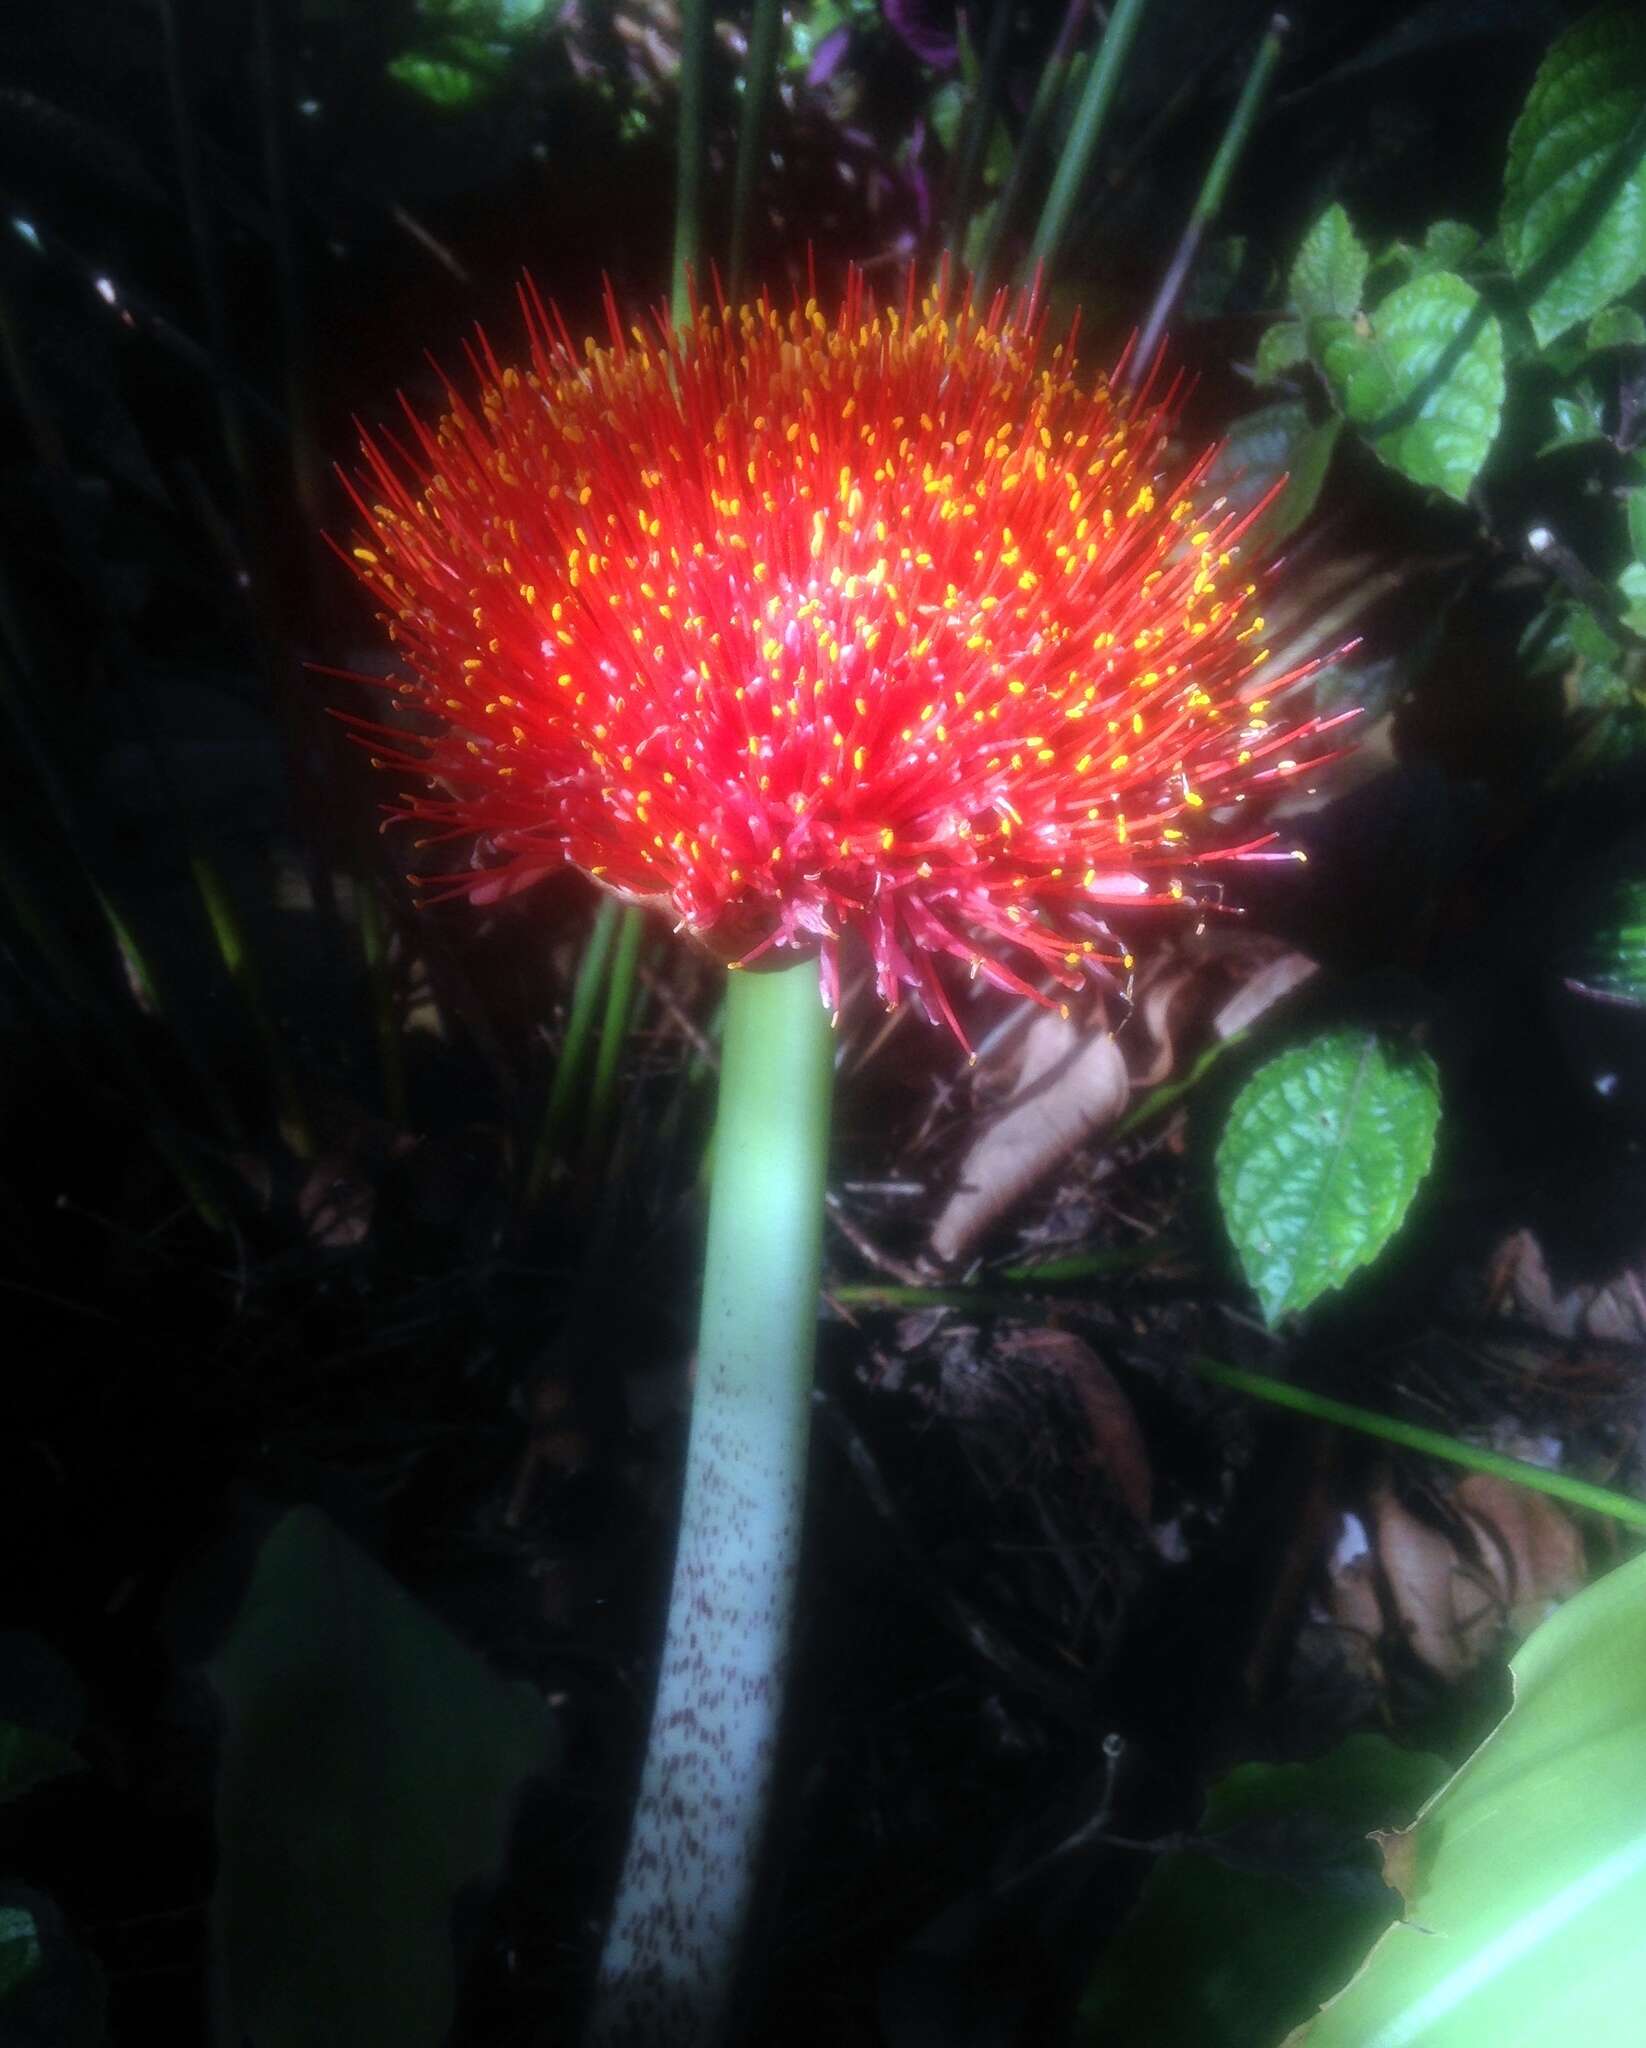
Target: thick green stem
<point>677,1931</point>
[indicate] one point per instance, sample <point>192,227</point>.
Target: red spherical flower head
<point>889,624</point>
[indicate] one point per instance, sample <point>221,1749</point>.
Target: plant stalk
<point>1210,202</point>
<point>677,1933</point>
<point>758,77</point>
<point>1101,82</point>
<point>688,190</point>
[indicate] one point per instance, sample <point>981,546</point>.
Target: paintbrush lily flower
<point>891,624</point>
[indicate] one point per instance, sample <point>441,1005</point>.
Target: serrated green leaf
<point>1282,348</point>
<point>1616,327</point>
<point>1574,192</point>
<point>1577,420</point>
<point>1448,244</point>
<point>1238,1937</point>
<point>1330,271</point>
<point>1525,1876</point>
<point>1422,378</point>
<point>1324,1149</point>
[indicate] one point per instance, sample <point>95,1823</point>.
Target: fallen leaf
<point>1530,1548</point>
<point>1115,1445</point>
<point>1452,1595</point>
<point>1072,1081</point>
<point>1065,1080</point>
<point>1521,1288</point>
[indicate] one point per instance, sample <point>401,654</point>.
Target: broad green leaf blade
<point>1259,449</point>
<point>369,1767</point>
<point>1305,479</point>
<point>1230,1943</point>
<point>1574,192</point>
<point>20,1953</point>
<point>1330,272</point>
<point>1422,378</point>
<point>1324,1149</point>
<point>1525,1876</point>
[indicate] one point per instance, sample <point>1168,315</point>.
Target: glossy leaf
<point>1324,1149</point>
<point>1422,378</point>
<point>1616,327</point>
<point>1330,272</point>
<point>1574,199</point>
<point>1233,1939</point>
<point>1525,1876</point>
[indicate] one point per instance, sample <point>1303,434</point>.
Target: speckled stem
<point>677,1931</point>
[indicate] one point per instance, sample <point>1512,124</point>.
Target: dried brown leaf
<point>1530,1548</point>
<point>1071,1082</point>
<point>1522,1288</point>
<point>1451,1595</point>
<point>1421,1570</point>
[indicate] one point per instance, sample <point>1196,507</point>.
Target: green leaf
<point>1525,1876</point>
<point>1330,271</point>
<point>1577,420</point>
<point>1574,194</point>
<point>1448,245</point>
<point>1616,327</point>
<point>30,1757</point>
<point>1259,448</point>
<point>1324,1149</point>
<point>1211,282</point>
<point>946,109</point>
<point>20,1953</point>
<point>1635,507</point>
<point>1282,348</point>
<point>1238,1937</point>
<point>1632,584</point>
<point>1422,378</point>
<point>52,1993</point>
<point>1611,957</point>
<point>369,1767</point>
<point>1306,471</point>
